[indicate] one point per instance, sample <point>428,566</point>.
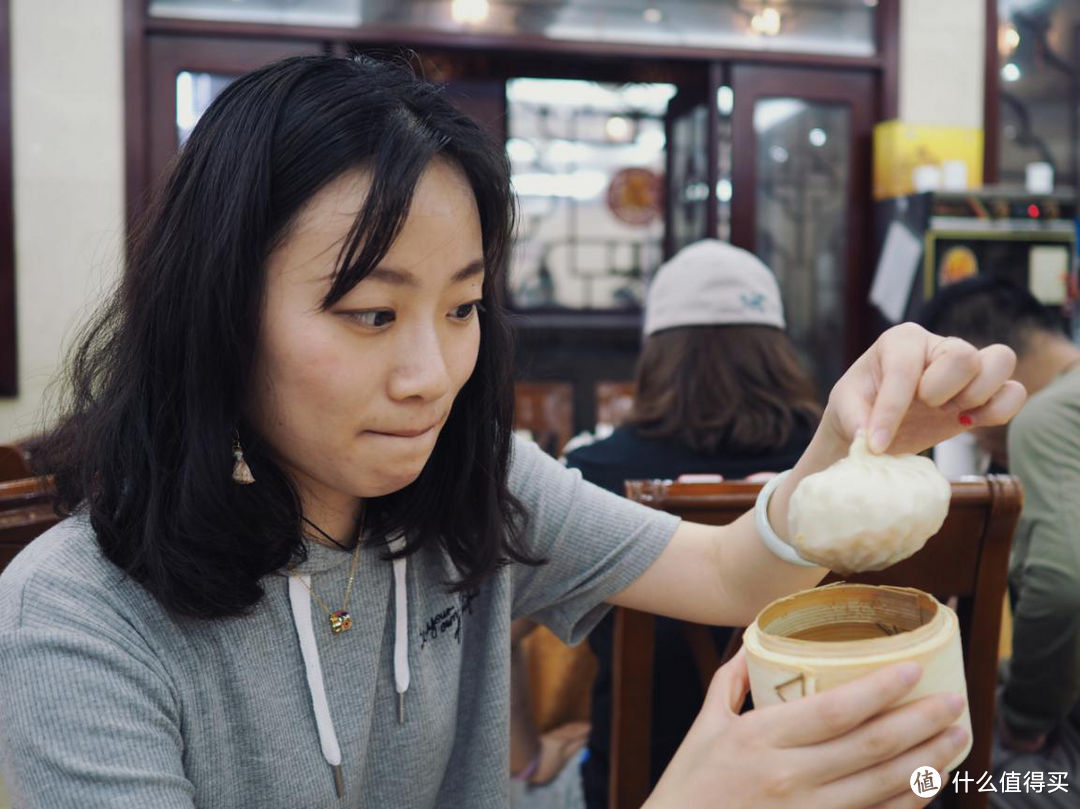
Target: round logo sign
<point>957,264</point>
<point>634,196</point>
<point>926,782</point>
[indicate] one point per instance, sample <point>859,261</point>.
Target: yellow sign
<point>900,148</point>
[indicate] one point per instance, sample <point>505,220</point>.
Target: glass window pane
<point>688,185</point>
<point>803,159</point>
<point>194,92</point>
<point>826,26</point>
<point>588,162</point>
<point>1038,49</point>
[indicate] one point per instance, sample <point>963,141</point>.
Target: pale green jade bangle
<point>765,531</point>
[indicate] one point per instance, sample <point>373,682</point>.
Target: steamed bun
<point>867,511</point>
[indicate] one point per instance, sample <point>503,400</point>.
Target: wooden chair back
<point>545,409</point>
<point>26,510</point>
<point>14,463</point>
<point>966,560</point>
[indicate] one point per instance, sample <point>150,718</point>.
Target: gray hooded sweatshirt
<point>108,701</point>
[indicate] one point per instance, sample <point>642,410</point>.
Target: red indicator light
<point>1033,211</point>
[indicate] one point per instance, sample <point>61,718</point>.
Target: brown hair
<point>740,387</point>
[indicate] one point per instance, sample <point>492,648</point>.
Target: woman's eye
<point>466,310</point>
<point>374,318</point>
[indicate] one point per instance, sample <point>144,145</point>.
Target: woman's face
<point>352,399</point>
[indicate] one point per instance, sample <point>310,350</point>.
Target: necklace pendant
<point>340,621</point>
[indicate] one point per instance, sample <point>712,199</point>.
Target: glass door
<point>801,200</point>
<point>688,173</point>
<point>695,128</point>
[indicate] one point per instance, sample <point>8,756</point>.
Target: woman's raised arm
<point>910,390</point>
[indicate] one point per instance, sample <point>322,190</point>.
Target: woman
<point>314,304</point>
<point>719,389</point>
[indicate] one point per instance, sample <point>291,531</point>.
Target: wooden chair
<point>26,510</point>
<point>967,559</point>
<point>14,463</point>
<point>545,409</point>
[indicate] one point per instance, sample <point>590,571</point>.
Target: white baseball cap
<point>712,283</point>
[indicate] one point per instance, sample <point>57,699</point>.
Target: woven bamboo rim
<point>821,638</point>
<point>850,620</point>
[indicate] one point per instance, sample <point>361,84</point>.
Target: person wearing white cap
<point>720,391</point>
<point>713,283</point>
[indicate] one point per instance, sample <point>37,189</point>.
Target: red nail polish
<point>966,420</point>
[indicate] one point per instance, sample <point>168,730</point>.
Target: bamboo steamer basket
<point>821,638</point>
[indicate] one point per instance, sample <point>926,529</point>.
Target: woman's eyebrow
<point>469,271</point>
<point>397,277</point>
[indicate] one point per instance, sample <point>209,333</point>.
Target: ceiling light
<point>767,22</point>
<point>617,128</point>
<point>725,100</point>
<point>470,12</point>
<point>1010,38</point>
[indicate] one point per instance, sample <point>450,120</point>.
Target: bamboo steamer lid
<point>821,638</point>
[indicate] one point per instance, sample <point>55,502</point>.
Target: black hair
<point>158,382</point>
<point>988,309</point>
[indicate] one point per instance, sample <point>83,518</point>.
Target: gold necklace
<point>340,620</point>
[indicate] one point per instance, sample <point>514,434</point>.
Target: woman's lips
<point>405,433</point>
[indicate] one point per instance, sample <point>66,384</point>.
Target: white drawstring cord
<point>300,599</point>
<point>401,627</point>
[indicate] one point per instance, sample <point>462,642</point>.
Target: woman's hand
<point>913,389</point>
<point>1018,742</point>
<point>557,747</point>
<point>843,749</point>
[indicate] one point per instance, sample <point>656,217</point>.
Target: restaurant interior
<point>869,152</point>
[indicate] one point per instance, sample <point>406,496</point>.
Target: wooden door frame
<point>751,83</point>
<point>991,99</point>
<point>688,97</point>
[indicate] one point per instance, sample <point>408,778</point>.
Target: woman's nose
<point>421,369</point>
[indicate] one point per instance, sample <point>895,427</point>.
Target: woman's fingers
<point>729,686</point>
<point>903,359</point>
<point>883,738</point>
<point>555,751</point>
<point>1002,406</point>
<point>823,717</point>
<point>571,731</point>
<point>910,365</point>
<point>908,800</point>
<point>994,364</point>
<point>953,366</point>
<point>892,779</point>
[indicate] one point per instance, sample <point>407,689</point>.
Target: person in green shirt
<point>1040,698</point>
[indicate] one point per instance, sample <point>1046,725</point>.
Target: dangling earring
<point>241,472</point>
